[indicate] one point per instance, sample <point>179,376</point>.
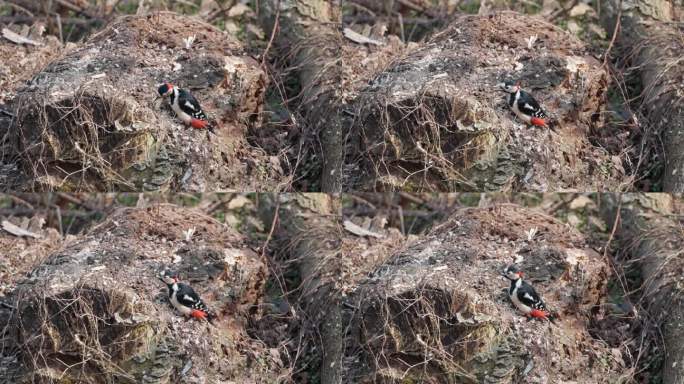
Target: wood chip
<point>186,367</point>
<point>17,38</point>
<point>358,231</point>
<point>359,38</point>
<point>17,231</point>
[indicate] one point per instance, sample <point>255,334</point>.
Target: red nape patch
<point>538,314</point>
<point>198,124</point>
<point>538,122</point>
<point>197,314</point>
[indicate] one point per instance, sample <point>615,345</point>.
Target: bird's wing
<point>527,104</point>
<point>187,296</point>
<point>189,103</point>
<point>527,295</point>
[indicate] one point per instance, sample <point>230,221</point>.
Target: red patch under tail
<point>198,124</point>
<point>538,122</point>
<point>539,314</point>
<point>197,314</point>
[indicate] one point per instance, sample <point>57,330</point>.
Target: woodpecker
<point>185,300</point>
<point>524,105</point>
<point>524,297</point>
<point>186,107</point>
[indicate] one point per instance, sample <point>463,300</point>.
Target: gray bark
<point>654,241</point>
<point>309,223</point>
<point>308,32</point>
<point>650,34</point>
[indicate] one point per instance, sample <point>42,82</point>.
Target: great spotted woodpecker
<point>186,107</point>
<point>524,105</point>
<point>185,299</point>
<point>524,297</point>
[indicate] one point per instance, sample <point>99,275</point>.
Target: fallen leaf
<point>16,38</point>
<point>239,10</point>
<point>256,31</point>
<point>358,231</point>
<point>17,231</point>
<point>238,202</point>
<point>574,28</point>
<point>598,30</point>
<point>581,9</point>
<point>580,202</point>
<point>232,27</point>
<point>359,38</point>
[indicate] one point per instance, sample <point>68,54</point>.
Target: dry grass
<point>79,333</point>
<point>74,139</point>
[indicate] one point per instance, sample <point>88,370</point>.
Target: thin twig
<point>273,226</point>
<point>615,33</point>
<point>276,25</point>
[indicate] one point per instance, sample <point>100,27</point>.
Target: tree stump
<point>89,121</point>
<point>96,312</point>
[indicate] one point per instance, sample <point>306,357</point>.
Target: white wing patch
<point>189,105</point>
<point>188,298</point>
<point>528,107</point>
<point>528,296</point>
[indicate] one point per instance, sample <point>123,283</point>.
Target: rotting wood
<point>89,120</point>
<point>434,119</point>
<point>97,305</point>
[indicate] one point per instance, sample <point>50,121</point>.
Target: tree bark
<point>654,241</point>
<point>309,224</point>
<point>649,39</point>
<point>308,32</point>
<point>330,262</point>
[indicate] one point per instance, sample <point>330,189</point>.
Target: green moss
<point>469,199</point>
<point>127,7</point>
<point>5,10</point>
<point>469,6</point>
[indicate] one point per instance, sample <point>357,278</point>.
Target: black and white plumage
<point>185,105</point>
<point>185,299</point>
<point>524,297</point>
<point>524,105</point>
